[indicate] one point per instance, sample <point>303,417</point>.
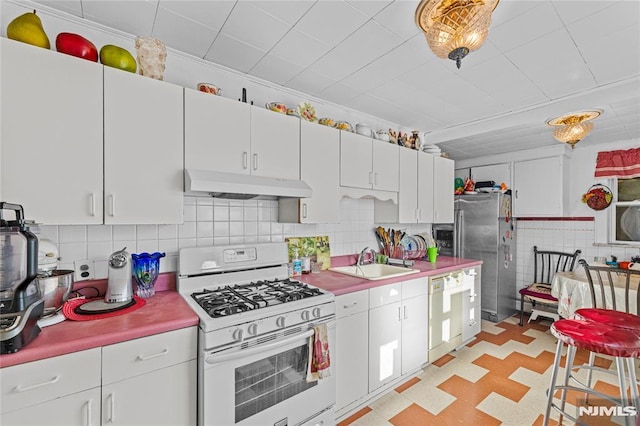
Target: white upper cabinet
<point>143,149</point>
<point>320,169</point>
<point>234,137</point>
<point>217,133</point>
<point>275,144</point>
<point>415,192</point>
<point>51,134</point>
<point>539,187</point>
<point>366,163</point>
<point>426,188</point>
<point>443,177</point>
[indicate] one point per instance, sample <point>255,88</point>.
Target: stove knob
<point>305,315</point>
<point>253,329</point>
<point>316,312</point>
<point>280,322</point>
<point>237,334</point>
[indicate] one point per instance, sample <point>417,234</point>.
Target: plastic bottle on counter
<point>297,265</point>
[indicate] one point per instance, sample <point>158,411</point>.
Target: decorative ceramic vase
<point>145,270</point>
<point>417,144</point>
<point>151,55</point>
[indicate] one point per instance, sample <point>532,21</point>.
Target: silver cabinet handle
<point>92,204</point>
<point>349,306</point>
<point>244,159</point>
<point>304,210</point>
<point>88,413</point>
<point>404,308</point>
<point>375,179</point>
<point>112,408</point>
<point>370,178</point>
<point>148,357</point>
<point>255,161</point>
<point>399,314</point>
<point>112,204</point>
<point>36,386</point>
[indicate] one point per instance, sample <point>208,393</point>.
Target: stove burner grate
<point>233,299</point>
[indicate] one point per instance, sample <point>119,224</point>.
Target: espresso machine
<point>21,303</point>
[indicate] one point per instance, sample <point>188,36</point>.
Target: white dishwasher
<point>445,313</point>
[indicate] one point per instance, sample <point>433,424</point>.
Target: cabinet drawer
<point>352,303</point>
<point>140,356</point>
<point>384,295</point>
<point>35,382</point>
<point>413,288</point>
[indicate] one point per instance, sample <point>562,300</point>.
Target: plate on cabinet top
<point>306,111</point>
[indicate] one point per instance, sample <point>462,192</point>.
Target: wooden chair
<point>611,328</point>
<point>545,265</point>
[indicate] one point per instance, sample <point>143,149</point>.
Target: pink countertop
<point>164,311</point>
<point>338,283</point>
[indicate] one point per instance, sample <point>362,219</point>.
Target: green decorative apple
<point>27,28</point>
<point>117,57</point>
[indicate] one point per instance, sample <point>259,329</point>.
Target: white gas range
<point>255,327</point>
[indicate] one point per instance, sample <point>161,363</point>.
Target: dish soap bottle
<point>297,265</point>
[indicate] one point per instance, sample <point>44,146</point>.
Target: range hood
<point>244,187</point>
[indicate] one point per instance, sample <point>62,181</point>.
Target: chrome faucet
<point>361,257</point>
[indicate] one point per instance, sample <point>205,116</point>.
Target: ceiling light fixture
<point>572,128</point>
<point>453,28</point>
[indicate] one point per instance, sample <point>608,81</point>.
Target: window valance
<point>622,164</point>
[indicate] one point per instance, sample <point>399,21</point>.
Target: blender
<point>21,303</point>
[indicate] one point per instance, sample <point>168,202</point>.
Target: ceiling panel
<point>542,58</point>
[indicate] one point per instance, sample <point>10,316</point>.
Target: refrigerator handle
<point>457,246</point>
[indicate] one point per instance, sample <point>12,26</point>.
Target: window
<point>625,223</point>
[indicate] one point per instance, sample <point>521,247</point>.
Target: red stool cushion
<point>610,317</point>
<point>598,337</point>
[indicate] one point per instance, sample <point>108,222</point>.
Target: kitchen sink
<point>374,271</point>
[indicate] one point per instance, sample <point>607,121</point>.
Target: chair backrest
<point>546,263</point>
<point>606,280</point>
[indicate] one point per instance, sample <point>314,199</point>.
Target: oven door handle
<point>218,359</point>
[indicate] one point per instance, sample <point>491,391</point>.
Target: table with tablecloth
<point>572,291</point>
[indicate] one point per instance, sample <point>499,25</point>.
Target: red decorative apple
<point>76,45</point>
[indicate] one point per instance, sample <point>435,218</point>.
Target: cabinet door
<point>414,333</point>
<point>143,149</point>
<point>385,345</point>
<point>351,358</point>
<point>408,186</point>
<point>80,409</point>
<point>163,397</point>
<point>442,190</point>
<point>356,159</point>
<point>385,165</point>
<point>538,187</point>
<point>217,133</point>
<point>320,169</point>
<point>51,153</point>
<point>426,187</point>
<point>275,144</point>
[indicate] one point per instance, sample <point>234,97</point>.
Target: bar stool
<point>599,330</point>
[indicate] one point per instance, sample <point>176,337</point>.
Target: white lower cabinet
<point>146,381</point>
<point>352,350</point>
<point>397,330</point>
<point>471,309</point>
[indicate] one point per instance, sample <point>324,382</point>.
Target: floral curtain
<point>622,164</point>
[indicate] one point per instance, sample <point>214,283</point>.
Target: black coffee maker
<point>21,304</point>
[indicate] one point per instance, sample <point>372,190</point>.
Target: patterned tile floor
<point>498,379</point>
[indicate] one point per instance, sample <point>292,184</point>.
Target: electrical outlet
<point>83,270</point>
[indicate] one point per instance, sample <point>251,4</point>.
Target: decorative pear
<point>27,28</point>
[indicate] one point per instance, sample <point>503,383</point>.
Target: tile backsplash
<point>565,236</point>
<point>214,221</point>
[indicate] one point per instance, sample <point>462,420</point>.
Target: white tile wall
<point>565,236</point>
<point>208,222</point>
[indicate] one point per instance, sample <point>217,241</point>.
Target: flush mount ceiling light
<point>453,28</point>
<point>572,128</point>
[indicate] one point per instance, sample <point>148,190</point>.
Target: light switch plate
<point>83,270</point>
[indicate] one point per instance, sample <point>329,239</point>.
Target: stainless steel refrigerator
<point>485,230</point>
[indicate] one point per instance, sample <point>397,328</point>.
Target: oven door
<point>263,384</point>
